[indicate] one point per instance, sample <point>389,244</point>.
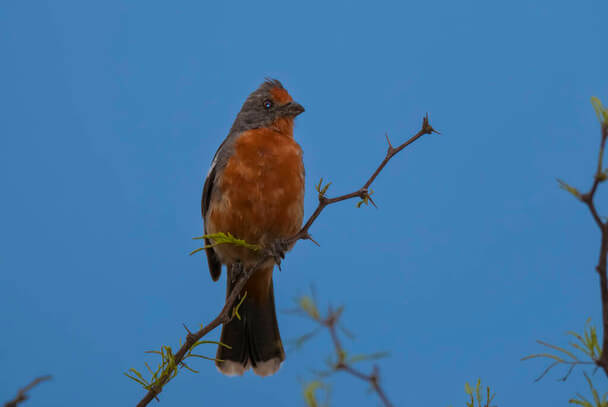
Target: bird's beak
<point>293,109</point>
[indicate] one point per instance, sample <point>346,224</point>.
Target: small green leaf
<point>210,342</point>
<point>135,379</point>
<point>137,373</point>
<point>322,189</point>
<point>600,110</point>
<point>235,311</point>
<point>569,188</point>
<point>371,356</point>
<point>206,357</point>
<point>308,305</point>
<point>189,368</point>
<point>467,389</point>
<point>224,238</point>
<point>309,393</point>
<point>543,355</point>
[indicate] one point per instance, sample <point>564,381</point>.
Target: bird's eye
<point>267,104</point>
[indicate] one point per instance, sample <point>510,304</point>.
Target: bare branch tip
<point>22,394</point>
<point>426,126</point>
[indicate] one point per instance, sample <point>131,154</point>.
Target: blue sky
<point>111,114</point>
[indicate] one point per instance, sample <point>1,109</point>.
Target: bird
<point>254,190</point>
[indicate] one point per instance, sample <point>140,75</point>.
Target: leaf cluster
<point>322,189</point>
<point>600,110</point>
<point>601,173</point>
<point>476,395</point>
<point>167,368</point>
<point>223,238</point>
<point>367,198</point>
<point>310,391</point>
<point>340,360</point>
<point>597,400</point>
<point>587,343</point>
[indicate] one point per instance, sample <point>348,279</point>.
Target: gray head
<point>265,106</point>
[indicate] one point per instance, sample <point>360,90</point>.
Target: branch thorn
<point>426,126</point>
<point>309,237</point>
<point>390,146</point>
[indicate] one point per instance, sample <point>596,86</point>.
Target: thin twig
<point>601,268</point>
<point>22,394</point>
<point>363,191</point>
<point>225,314</point>
<point>373,378</point>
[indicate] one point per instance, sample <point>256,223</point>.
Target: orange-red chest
<point>260,194</point>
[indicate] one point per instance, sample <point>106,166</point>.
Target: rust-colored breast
<point>260,194</point>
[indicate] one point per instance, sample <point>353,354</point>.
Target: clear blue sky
<point>110,116</point>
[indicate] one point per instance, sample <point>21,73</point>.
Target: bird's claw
<point>278,248</point>
<point>235,271</point>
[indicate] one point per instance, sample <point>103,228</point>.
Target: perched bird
<point>255,191</point>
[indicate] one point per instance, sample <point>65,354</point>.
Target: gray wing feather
<point>219,160</point>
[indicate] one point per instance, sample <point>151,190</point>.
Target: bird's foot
<point>235,271</point>
<point>277,249</point>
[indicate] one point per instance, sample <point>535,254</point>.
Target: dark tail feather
<point>255,339</point>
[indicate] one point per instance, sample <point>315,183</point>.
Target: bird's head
<point>270,105</point>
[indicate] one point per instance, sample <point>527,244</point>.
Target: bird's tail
<point>254,339</point>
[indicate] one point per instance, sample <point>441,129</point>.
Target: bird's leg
<point>277,249</point>
<point>235,271</point>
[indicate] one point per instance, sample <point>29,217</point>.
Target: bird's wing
<point>215,267</point>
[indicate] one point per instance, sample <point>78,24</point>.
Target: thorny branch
<point>22,394</point>
<point>587,343</point>
<point>331,323</point>
<point>226,314</point>
<point>587,198</point>
<point>362,192</point>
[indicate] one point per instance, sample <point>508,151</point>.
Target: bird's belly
<point>260,197</point>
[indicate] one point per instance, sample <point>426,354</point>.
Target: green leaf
<point>371,356</point>
<point>307,304</point>
<point>543,355</point>
<point>467,389</point>
<point>188,367</point>
<point>366,199</point>
<point>600,111</point>
<point>309,393</point>
<point>569,188</point>
<point>137,373</point>
<point>135,379</point>
<point>206,357</point>
<point>558,348</point>
<point>197,343</point>
<point>300,341</point>
<point>235,311</point>
<point>322,189</point>
<point>577,346</point>
<point>224,238</point>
